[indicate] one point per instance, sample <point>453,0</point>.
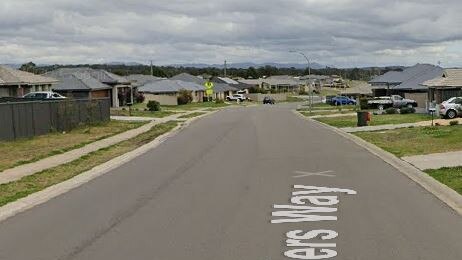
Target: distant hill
<point>245,65</point>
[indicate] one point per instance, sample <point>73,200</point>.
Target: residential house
<point>253,83</point>
<point>407,83</point>
<point>166,91</point>
<point>233,83</point>
<point>121,89</point>
<point>447,85</point>
<point>282,83</point>
<point>16,83</point>
<point>79,86</point>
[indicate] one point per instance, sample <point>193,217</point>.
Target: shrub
<point>407,110</point>
<point>153,105</point>
<point>139,98</point>
<point>454,122</point>
<point>391,111</point>
<point>302,92</point>
<point>363,103</point>
<point>184,97</point>
<point>219,101</point>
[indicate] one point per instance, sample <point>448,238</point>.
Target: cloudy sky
<point>343,33</point>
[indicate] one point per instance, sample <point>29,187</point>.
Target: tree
<point>29,67</point>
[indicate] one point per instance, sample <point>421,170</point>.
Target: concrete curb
<point>439,190</point>
<point>51,192</point>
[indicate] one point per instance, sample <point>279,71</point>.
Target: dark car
<point>340,100</point>
<point>268,100</point>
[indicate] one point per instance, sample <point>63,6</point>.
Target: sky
<point>341,33</point>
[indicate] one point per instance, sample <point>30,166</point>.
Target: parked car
<point>269,100</point>
<point>236,97</point>
<point>391,101</point>
<point>44,95</point>
<point>341,101</point>
<point>451,108</point>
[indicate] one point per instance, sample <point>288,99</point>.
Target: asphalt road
<point>208,194</point>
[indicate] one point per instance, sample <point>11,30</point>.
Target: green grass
<point>324,113</point>
<point>452,177</point>
<point>22,151</point>
<point>155,114</point>
<point>350,121</point>
<point>19,189</point>
<point>417,140</point>
<point>195,114</point>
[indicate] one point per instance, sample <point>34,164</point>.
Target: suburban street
<point>211,193</point>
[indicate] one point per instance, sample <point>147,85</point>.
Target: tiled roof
<point>410,78</point>
<point>140,80</point>
<point>189,78</point>
<point>9,76</point>
<point>100,75</point>
<point>449,78</point>
<point>76,81</point>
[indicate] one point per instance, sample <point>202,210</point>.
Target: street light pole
<point>309,74</point>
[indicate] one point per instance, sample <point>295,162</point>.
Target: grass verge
<point>452,177</point>
<point>23,151</point>
<point>417,140</point>
<point>350,121</point>
<point>138,113</point>
<point>195,114</point>
<point>13,191</point>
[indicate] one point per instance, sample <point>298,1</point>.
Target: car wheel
<point>451,114</point>
<point>380,107</point>
<point>410,106</point>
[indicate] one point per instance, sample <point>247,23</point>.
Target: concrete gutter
<point>439,190</point>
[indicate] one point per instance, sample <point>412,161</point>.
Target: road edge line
<point>444,193</point>
<point>14,208</point>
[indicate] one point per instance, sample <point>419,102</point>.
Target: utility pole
<point>152,69</point>
<point>225,69</point>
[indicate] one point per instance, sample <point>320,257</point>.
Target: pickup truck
<point>392,101</point>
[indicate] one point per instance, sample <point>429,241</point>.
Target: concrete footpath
<point>16,173</point>
<point>440,122</point>
<point>436,160</point>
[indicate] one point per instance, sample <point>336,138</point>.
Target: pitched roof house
<point>165,91</point>
<point>139,80</point>
<point>16,83</point>
<point>408,80</point>
<point>92,83</point>
<point>445,86</point>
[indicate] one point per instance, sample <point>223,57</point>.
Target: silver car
<point>44,95</point>
<point>451,108</point>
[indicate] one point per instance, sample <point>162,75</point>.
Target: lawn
<point>350,121</point>
<point>323,113</point>
<point>452,177</point>
<point>19,189</point>
<point>28,150</point>
<point>417,140</point>
<point>142,113</point>
<point>195,114</point>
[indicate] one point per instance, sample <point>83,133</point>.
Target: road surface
<point>211,193</point>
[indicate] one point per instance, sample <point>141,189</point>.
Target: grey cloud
<point>339,32</point>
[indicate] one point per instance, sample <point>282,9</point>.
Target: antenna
<point>152,70</point>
